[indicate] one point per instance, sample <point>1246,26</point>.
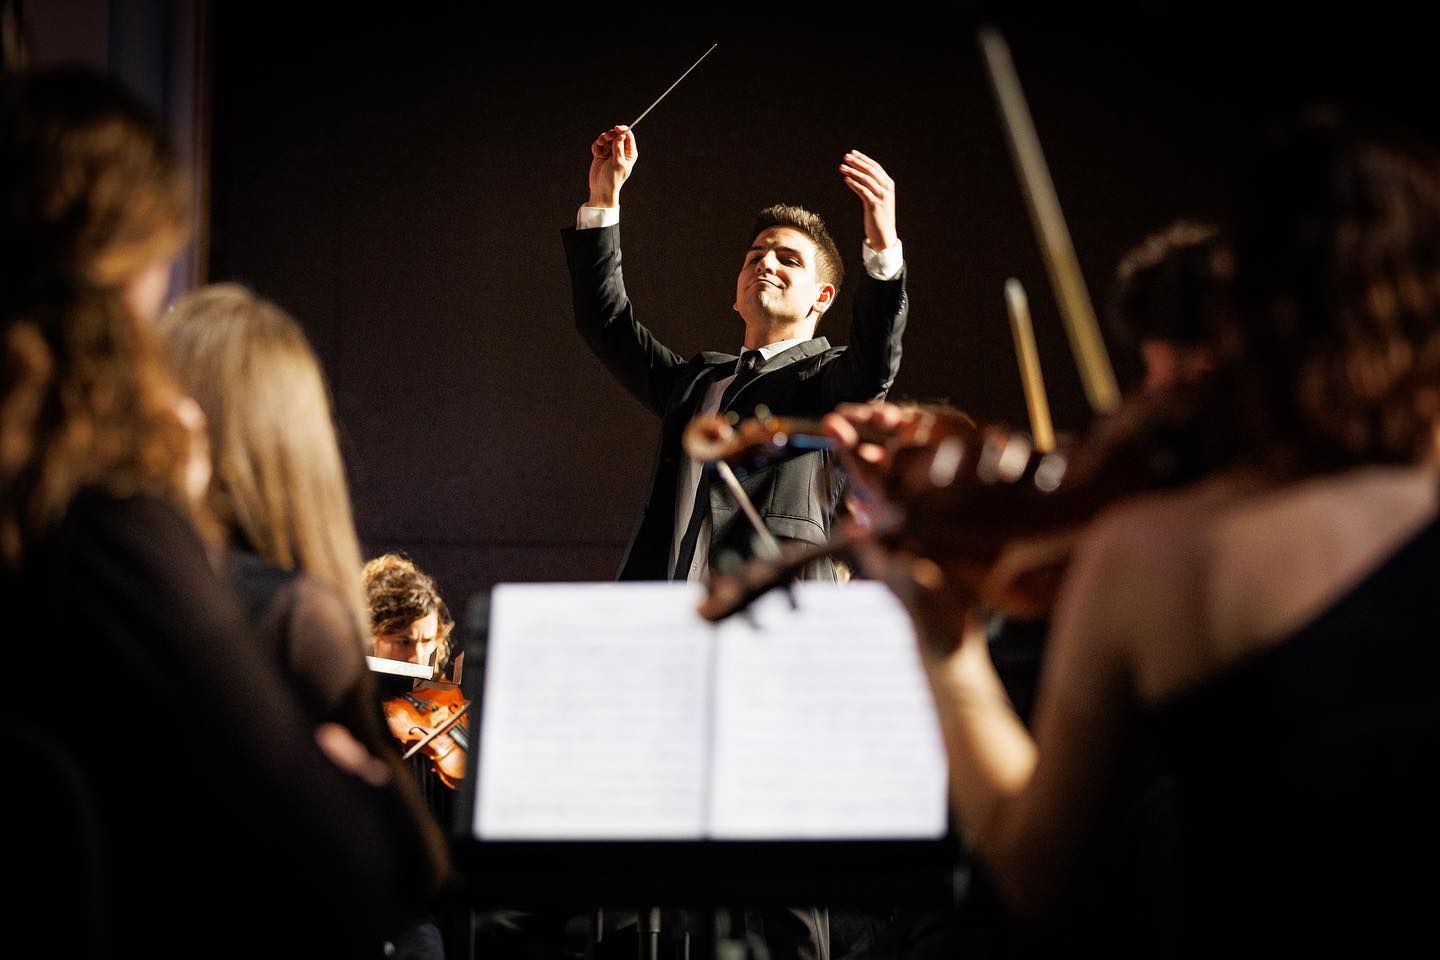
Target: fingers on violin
<point>844,432</point>
<point>840,428</point>
<point>872,453</point>
<point>867,412</point>
<point>889,415</point>
<point>885,415</point>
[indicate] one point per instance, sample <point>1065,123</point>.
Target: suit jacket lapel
<point>780,361</point>
<point>711,366</point>
<point>715,366</point>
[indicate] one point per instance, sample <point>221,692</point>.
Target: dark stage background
<point>399,184</point>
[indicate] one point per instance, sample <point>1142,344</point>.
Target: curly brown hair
<point>93,196</point>
<point>1337,320</point>
<point>401,593</point>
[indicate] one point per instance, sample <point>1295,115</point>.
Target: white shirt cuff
<point>882,264</point>
<point>592,218</point>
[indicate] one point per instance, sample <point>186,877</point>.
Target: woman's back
<point>1194,583</point>
<point>1296,706</point>
<point>221,828</point>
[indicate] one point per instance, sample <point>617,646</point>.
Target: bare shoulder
<point>1137,585</point>
<point>1145,537</point>
<point>1286,554</point>
<point>1179,586</point>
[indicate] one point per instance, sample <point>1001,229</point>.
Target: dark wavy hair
<point>1172,287</point>
<point>1336,327</point>
<point>92,196</point>
<point>829,267</point>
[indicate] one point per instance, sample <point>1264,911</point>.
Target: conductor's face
<point>778,283</point>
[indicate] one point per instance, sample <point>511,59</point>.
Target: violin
<point>998,514</point>
<point>432,719</point>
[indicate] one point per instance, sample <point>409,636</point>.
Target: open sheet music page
<point>595,713</point>
<point>612,711</point>
<point>825,725</point>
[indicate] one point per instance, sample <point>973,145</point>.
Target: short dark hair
<point>1171,287</point>
<point>829,268</point>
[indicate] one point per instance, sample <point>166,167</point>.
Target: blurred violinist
<point>278,490</point>
<point>1272,623</point>
<point>277,485</point>
<point>1169,297</point>
<point>170,797</point>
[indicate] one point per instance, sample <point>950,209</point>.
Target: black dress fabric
<point>204,819</point>
<point>304,627</point>
<point>1304,777</point>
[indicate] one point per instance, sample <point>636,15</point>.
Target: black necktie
<point>750,362</point>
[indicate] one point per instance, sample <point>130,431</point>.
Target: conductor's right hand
<point>612,157</point>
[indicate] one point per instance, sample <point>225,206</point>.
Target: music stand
<point>691,872</point>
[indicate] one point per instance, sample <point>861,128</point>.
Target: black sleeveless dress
<point>1308,798</point>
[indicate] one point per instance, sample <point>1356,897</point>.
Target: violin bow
<point>770,546</point>
<point>453,719</point>
<point>1076,310</point>
<point>1017,305</point>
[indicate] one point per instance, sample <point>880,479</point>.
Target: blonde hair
<point>90,196</point>
<point>278,485</point>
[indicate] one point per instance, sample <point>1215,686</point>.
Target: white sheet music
<point>828,727</point>
<point>611,711</point>
<point>595,713</point>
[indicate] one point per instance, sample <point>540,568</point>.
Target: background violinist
<point>407,618</point>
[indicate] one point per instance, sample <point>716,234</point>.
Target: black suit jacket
<point>806,380</point>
